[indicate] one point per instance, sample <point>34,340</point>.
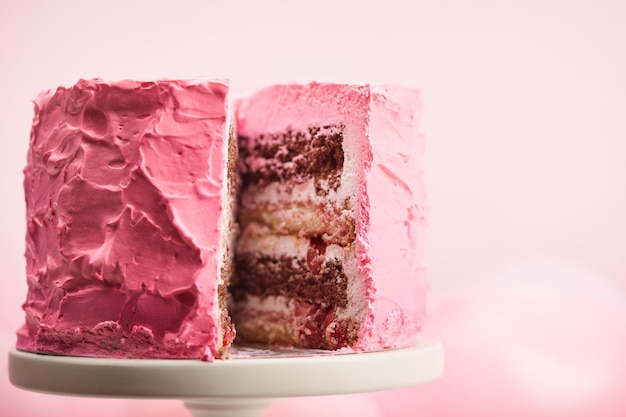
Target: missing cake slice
<point>332,216</point>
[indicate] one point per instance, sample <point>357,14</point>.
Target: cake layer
<point>332,223</point>
<point>129,207</point>
<point>294,157</point>
<point>284,321</point>
<point>313,279</point>
<point>292,265</point>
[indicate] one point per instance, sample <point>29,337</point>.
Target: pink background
<point>525,115</point>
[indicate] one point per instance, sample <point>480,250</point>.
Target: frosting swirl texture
<point>124,206</point>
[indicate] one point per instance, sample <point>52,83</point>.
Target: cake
<point>331,213</point>
<point>130,191</point>
<point>168,218</point>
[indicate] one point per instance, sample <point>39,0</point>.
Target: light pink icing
<point>382,133</point>
<point>397,216</point>
<point>123,191</point>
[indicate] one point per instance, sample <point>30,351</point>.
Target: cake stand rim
<point>268,377</point>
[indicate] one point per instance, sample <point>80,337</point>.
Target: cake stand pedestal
<point>242,386</point>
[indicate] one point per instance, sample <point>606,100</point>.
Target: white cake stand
<point>242,386</point>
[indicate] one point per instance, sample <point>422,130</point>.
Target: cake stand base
<point>241,386</point>
<point>228,407</point>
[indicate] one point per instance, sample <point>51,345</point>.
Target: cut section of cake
<point>131,193</point>
<point>332,215</point>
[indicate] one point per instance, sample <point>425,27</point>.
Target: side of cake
<point>332,215</point>
<point>130,193</point>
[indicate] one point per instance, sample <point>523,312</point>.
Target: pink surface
<point>124,207</point>
<point>524,348</point>
<point>524,119</point>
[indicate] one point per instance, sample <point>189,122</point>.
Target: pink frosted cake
<point>148,231</point>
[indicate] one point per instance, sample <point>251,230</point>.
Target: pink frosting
<point>124,204</point>
<point>397,216</point>
<point>382,132</point>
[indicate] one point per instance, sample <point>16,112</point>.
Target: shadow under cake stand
<point>241,386</point>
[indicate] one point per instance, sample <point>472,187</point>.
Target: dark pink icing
<point>124,204</point>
